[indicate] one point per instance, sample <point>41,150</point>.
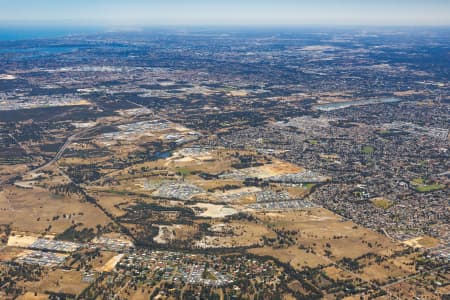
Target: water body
<point>25,40</point>
<point>18,33</point>
<point>40,50</point>
<point>341,105</point>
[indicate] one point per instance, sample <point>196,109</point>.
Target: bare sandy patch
<point>111,264</point>
<point>166,233</point>
<point>422,242</point>
<point>275,169</point>
<point>32,296</point>
<point>214,210</point>
<point>20,240</point>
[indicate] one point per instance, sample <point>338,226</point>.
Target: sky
<point>227,12</point>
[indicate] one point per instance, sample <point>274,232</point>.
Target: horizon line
<point>206,24</point>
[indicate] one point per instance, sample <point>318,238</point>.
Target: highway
<point>63,148</point>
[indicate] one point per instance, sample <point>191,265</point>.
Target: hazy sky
<point>228,12</point>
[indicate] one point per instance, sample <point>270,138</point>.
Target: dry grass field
<point>321,238</point>
<point>33,296</point>
<point>9,171</point>
<point>110,263</point>
<point>36,209</point>
<point>241,234</point>
<point>338,274</point>
<point>58,281</point>
<point>422,242</point>
<point>276,168</point>
<point>113,202</point>
<point>319,230</point>
<point>10,253</point>
<point>297,258</point>
<point>392,267</point>
<point>139,294</point>
<point>410,290</point>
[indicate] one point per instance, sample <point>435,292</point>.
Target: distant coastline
<point>29,32</point>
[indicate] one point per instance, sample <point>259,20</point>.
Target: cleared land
<point>40,211</point>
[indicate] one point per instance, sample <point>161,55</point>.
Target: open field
<point>315,228</point>
<point>33,296</point>
<point>236,234</point>
<point>422,242</point>
<point>276,168</point>
<point>409,290</point>
<point>424,186</point>
<point>166,233</point>
<point>17,239</point>
<point>57,281</point>
<point>338,274</point>
<point>299,259</point>
<point>315,238</point>
<point>110,264</point>
<point>392,267</point>
<point>214,210</point>
<point>9,171</point>
<point>40,211</point>
<point>429,188</point>
<point>112,202</point>
<point>382,202</point>
<point>10,253</point>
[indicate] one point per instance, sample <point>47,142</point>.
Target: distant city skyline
<point>231,12</point>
